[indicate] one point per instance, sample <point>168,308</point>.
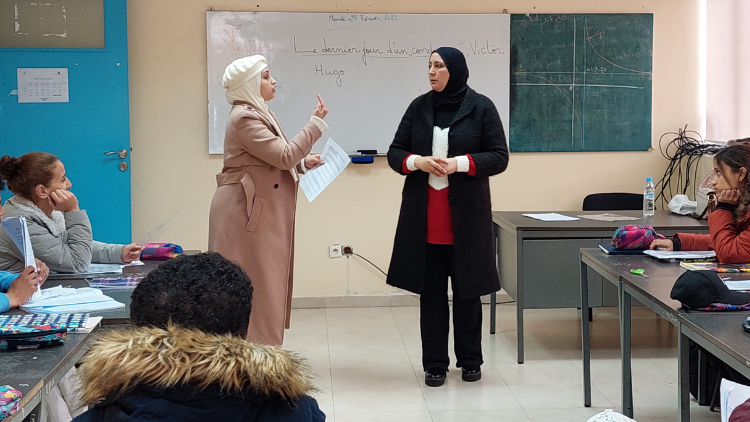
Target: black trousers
<point>434,316</point>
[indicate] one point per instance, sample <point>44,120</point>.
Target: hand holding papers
<point>335,160</point>
<point>19,232</point>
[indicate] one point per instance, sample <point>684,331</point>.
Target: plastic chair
<point>613,202</point>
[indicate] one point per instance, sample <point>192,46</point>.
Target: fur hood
<point>165,358</point>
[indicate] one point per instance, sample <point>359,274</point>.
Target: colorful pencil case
<point>10,398</point>
<point>161,251</point>
<point>21,337</point>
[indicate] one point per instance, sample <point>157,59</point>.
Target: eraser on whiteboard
<point>363,160</point>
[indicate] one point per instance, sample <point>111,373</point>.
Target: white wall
<point>174,177</point>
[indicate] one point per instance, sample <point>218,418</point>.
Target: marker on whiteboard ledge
<point>369,159</point>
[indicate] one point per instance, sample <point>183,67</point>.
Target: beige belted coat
<point>252,213</point>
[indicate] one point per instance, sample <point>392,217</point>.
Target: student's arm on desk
<point>72,255</point>
<point>731,246</point>
<point>6,279</point>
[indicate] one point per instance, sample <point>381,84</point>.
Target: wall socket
<point>334,251</point>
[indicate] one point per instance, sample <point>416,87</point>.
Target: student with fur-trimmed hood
<point>186,357</point>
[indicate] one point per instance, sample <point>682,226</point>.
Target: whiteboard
<point>367,67</point>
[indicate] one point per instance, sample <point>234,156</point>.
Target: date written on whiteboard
<point>335,73</point>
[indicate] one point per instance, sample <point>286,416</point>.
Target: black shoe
<point>434,377</point>
<point>471,373</point>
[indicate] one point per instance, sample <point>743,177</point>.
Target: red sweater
<point>730,239</point>
<point>439,217</point>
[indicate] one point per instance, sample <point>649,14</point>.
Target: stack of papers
<point>19,232</point>
<point>608,217</point>
<point>550,216</point>
<point>716,267</point>
<point>95,269</point>
<point>131,281</point>
<point>63,299</point>
<point>707,255</point>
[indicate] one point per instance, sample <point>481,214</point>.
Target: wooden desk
<point>538,261</point>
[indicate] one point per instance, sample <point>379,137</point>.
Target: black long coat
<point>477,130</point>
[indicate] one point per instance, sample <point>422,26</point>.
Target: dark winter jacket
<point>152,374</point>
<point>476,130</point>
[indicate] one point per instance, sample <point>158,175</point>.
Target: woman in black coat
<point>448,144</point>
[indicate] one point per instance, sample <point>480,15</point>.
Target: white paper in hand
<point>19,233</point>
<point>335,160</point>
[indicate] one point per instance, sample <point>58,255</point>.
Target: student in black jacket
<point>186,357</point>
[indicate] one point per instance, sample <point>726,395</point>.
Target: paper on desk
<point>737,285</point>
<point>91,323</point>
<point>19,232</point>
<point>64,299</point>
<point>551,216</point>
<point>680,254</point>
<point>608,217</point>
<point>732,395</point>
<point>335,160</point>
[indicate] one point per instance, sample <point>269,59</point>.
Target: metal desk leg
<point>519,327</point>
<point>683,376</point>
<point>585,336</point>
<point>627,381</point>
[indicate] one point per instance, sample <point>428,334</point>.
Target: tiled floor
<point>368,366</point>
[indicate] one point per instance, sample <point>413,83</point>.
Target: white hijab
<point>242,81</point>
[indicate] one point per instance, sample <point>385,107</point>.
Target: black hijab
<point>455,90</point>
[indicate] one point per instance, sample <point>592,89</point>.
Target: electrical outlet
<point>334,251</point>
<point>346,250</point>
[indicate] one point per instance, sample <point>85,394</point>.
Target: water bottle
<point>648,198</point>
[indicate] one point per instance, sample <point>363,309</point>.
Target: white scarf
<point>55,224</point>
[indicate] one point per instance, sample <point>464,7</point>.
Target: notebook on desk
<point>611,250</point>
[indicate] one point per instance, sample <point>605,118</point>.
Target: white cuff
<point>410,162</point>
<point>463,164</point>
<point>302,167</point>
<point>320,123</point>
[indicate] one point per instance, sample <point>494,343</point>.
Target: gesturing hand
<point>430,165</point>
<point>320,110</point>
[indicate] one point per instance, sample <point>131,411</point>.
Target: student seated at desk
<point>60,231</point>
<point>729,224</point>
<point>186,358</point>
<point>16,289</point>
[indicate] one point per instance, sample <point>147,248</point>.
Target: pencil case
<point>21,337</point>
<point>161,251</point>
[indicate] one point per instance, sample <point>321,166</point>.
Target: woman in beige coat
<point>252,212</point>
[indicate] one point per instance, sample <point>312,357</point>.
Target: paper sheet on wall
<point>335,160</point>
<point>19,233</point>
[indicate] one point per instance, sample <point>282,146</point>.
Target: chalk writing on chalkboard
<point>581,82</point>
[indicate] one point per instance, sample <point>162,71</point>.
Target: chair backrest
<point>613,201</point>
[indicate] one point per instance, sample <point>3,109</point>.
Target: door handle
<point>123,153</point>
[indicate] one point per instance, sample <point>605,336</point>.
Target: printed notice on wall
<point>49,85</point>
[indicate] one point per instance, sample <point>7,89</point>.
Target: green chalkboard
<point>580,82</point>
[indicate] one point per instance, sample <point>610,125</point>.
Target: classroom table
<point>719,333</point>
<point>35,372</point>
<point>538,261</point>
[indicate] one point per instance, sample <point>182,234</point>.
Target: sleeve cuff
<point>676,243</point>
<point>410,162</point>
<point>725,206</point>
<point>320,123</point>
<point>4,302</point>
<point>463,164</point>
